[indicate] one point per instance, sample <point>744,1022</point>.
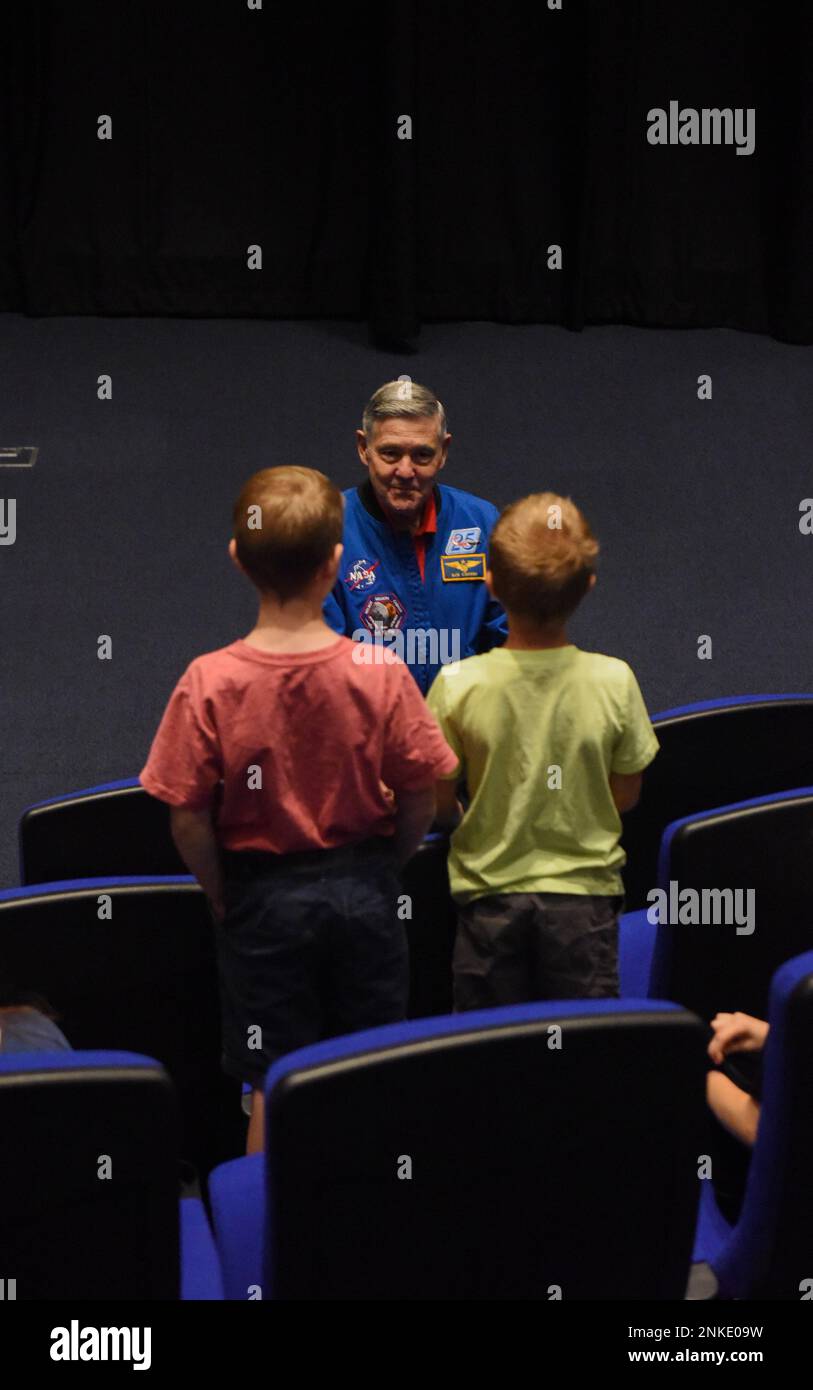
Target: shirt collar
<point>429,520</point>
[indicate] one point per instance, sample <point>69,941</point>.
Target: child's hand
<point>736,1033</point>
<point>388,794</point>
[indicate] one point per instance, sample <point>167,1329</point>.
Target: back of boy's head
<point>543,554</point>
<point>287,523</point>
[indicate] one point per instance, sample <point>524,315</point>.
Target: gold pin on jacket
<point>454,568</point>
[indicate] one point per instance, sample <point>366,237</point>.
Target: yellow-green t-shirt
<point>538,734</point>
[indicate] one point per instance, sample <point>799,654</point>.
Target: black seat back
<point>532,1166</point>
<point>766,848</point>
<point>117,829</point>
<point>141,979</point>
<point>88,1177</point>
<point>714,755</point>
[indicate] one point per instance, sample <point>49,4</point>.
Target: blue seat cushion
<point>237,1195</point>
<point>712,1230</point>
<point>636,943</point>
<point>200,1265</point>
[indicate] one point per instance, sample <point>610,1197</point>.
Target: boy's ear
<point>489,583</point>
<point>330,568</point>
<point>233,555</point>
<point>592,583</point>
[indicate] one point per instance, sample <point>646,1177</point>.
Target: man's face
<point>403,458</point>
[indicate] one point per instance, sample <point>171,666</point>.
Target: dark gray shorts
<point>513,948</point>
<point>311,947</point>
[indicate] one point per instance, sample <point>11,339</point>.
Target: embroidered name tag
<point>457,567</point>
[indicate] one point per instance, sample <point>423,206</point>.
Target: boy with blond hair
<point>328,766</point>
<point>552,742</point>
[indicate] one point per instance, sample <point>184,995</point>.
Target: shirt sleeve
<point>637,745</point>
<point>416,754</point>
<point>185,763</point>
<point>438,702</point>
<point>494,629</point>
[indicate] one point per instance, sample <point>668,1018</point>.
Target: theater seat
<point>140,977</point>
<point>118,829</point>
<point>484,1155</point>
<point>768,1254</point>
<point>715,753</point>
<point>237,1196</point>
<point>89,1183</point>
<point>761,846</point>
<point>201,1279</point>
<point>113,829</point>
<point>636,945</point>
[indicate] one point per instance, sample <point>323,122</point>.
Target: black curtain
<point>279,128</point>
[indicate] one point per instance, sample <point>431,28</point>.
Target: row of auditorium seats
<point>128,962</point>
<point>715,753</point>
<point>538,1152</point>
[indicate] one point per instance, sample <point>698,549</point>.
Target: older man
<point>415,550</point>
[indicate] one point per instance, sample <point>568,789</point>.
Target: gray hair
<point>402,400</point>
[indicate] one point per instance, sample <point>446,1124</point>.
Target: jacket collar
<point>370,503</point>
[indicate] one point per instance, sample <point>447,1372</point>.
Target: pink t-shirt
<point>323,730</point>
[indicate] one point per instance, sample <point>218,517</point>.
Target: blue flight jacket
<point>380,593</point>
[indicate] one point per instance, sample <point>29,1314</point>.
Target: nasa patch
<point>361,575</point>
<point>463,541</point>
<point>383,613</point>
